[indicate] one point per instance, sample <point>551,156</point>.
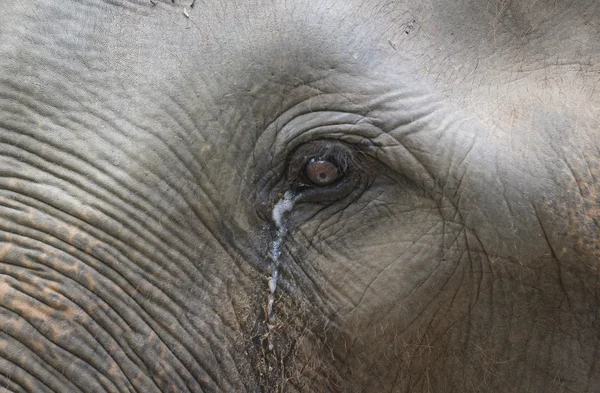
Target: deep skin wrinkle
<point>144,145</point>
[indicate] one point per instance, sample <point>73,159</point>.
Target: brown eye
<point>321,172</point>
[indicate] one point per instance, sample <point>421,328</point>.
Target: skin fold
<point>145,144</point>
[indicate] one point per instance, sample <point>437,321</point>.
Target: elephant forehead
<point>172,53</point>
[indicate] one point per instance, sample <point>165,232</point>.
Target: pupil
<point>322,175</point>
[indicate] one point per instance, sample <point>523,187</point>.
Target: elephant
<point>299,196</point>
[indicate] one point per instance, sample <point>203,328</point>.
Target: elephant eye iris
<point>321,172</point>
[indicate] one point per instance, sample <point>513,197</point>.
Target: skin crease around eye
<point>321,172</point>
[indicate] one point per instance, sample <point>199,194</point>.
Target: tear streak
<point>280,210</point>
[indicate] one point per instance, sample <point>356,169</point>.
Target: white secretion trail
<point>285,205</point>
<point>282,207</point>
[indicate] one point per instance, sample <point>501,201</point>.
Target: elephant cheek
<point>83,307</point>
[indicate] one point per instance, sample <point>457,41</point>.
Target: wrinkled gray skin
<point>143,146</point>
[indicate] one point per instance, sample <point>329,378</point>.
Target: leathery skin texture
<point>146,144</point>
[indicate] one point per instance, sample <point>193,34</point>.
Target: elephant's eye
<point>322,172</point>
